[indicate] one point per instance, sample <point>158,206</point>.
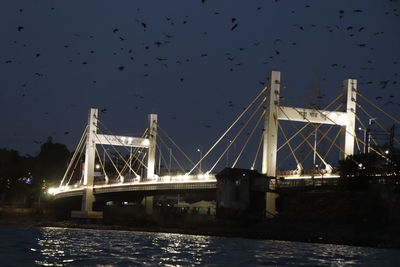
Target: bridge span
<point>184,183</point>
<point>142,163</point>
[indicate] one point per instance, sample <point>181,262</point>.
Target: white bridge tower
<point>275,112</point>
<point>94,138</point>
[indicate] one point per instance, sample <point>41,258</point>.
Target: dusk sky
<point>195,63</point>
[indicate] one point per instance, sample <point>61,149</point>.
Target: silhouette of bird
<point>20,28</point>
<point>384,83</point>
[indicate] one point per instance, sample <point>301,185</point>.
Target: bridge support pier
<point>148,204</point>
<point>270,198</point>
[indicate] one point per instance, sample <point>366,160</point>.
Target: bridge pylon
<point>275,112</point>
<point>94,138</point>
<point>88,172</point>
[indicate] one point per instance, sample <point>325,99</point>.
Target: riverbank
<point>271,229</point>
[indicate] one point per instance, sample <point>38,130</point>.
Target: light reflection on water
<point>81,247</point>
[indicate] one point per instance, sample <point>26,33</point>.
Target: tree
<point>51,162</point>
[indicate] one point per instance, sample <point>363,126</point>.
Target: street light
<point>370,120</point>
<point>364,138</point>
<point>227,155</point>
<point>200,156</point>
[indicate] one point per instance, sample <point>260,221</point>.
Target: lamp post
<point>315,149</point>
<point>227,155</point>
<point>200,156</point>
<point>170,159</point>
<point>130,163</point>
<point>370,120</point>
<point>364,139</point>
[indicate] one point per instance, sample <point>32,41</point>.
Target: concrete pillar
<point>271,202</point>
<point>151,155</point>
<point>348,133</point>
<point>148,204</point>
<point>88,174</point>
<point>271,126</point>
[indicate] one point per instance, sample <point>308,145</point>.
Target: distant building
<point>241,194</point>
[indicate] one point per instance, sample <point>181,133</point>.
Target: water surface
<point>51,246</point>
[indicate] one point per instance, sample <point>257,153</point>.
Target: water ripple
<point>82,247</point>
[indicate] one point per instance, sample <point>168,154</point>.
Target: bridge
<point>139,172</point>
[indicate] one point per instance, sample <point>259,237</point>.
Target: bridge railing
<point>161,179</point>
<point>290,183</point>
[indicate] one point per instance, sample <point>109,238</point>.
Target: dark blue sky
<point>181,60</point>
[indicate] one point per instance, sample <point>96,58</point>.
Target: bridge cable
<point>229,128</point>
<point>316,152</point>
<point>378,123</point>
<point>144,154</point>
<point>377,107</point>
<point>133,152</point>
<point>297,147</point>
<point>352,134</point>
<point>319,141</point>
<point>257,151</point>
<point>101,164</point>
<point>122,144</point>
<point>295,134</point>
<point>172,155</point>
<point>311,133</point>
<point>163,159</point>
<point>109,157</point>
<point>334,141</point>
<point>237,135</point>
<point>119,154</point>
<point>76,163</point>
<point>248,138</point>
<point>83,136</point>
<point>175,144</point>
<point>290,147</point>
<point>364,126</point>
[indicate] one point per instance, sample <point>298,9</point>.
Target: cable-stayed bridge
<point>106,163</point>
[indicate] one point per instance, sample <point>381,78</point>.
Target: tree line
<point>27,178</point>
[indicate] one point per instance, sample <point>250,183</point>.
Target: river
<point>49,246</point>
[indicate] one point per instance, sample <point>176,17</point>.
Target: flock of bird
<point>232,57</point>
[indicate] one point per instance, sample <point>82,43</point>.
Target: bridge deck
<point>209,182</point>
